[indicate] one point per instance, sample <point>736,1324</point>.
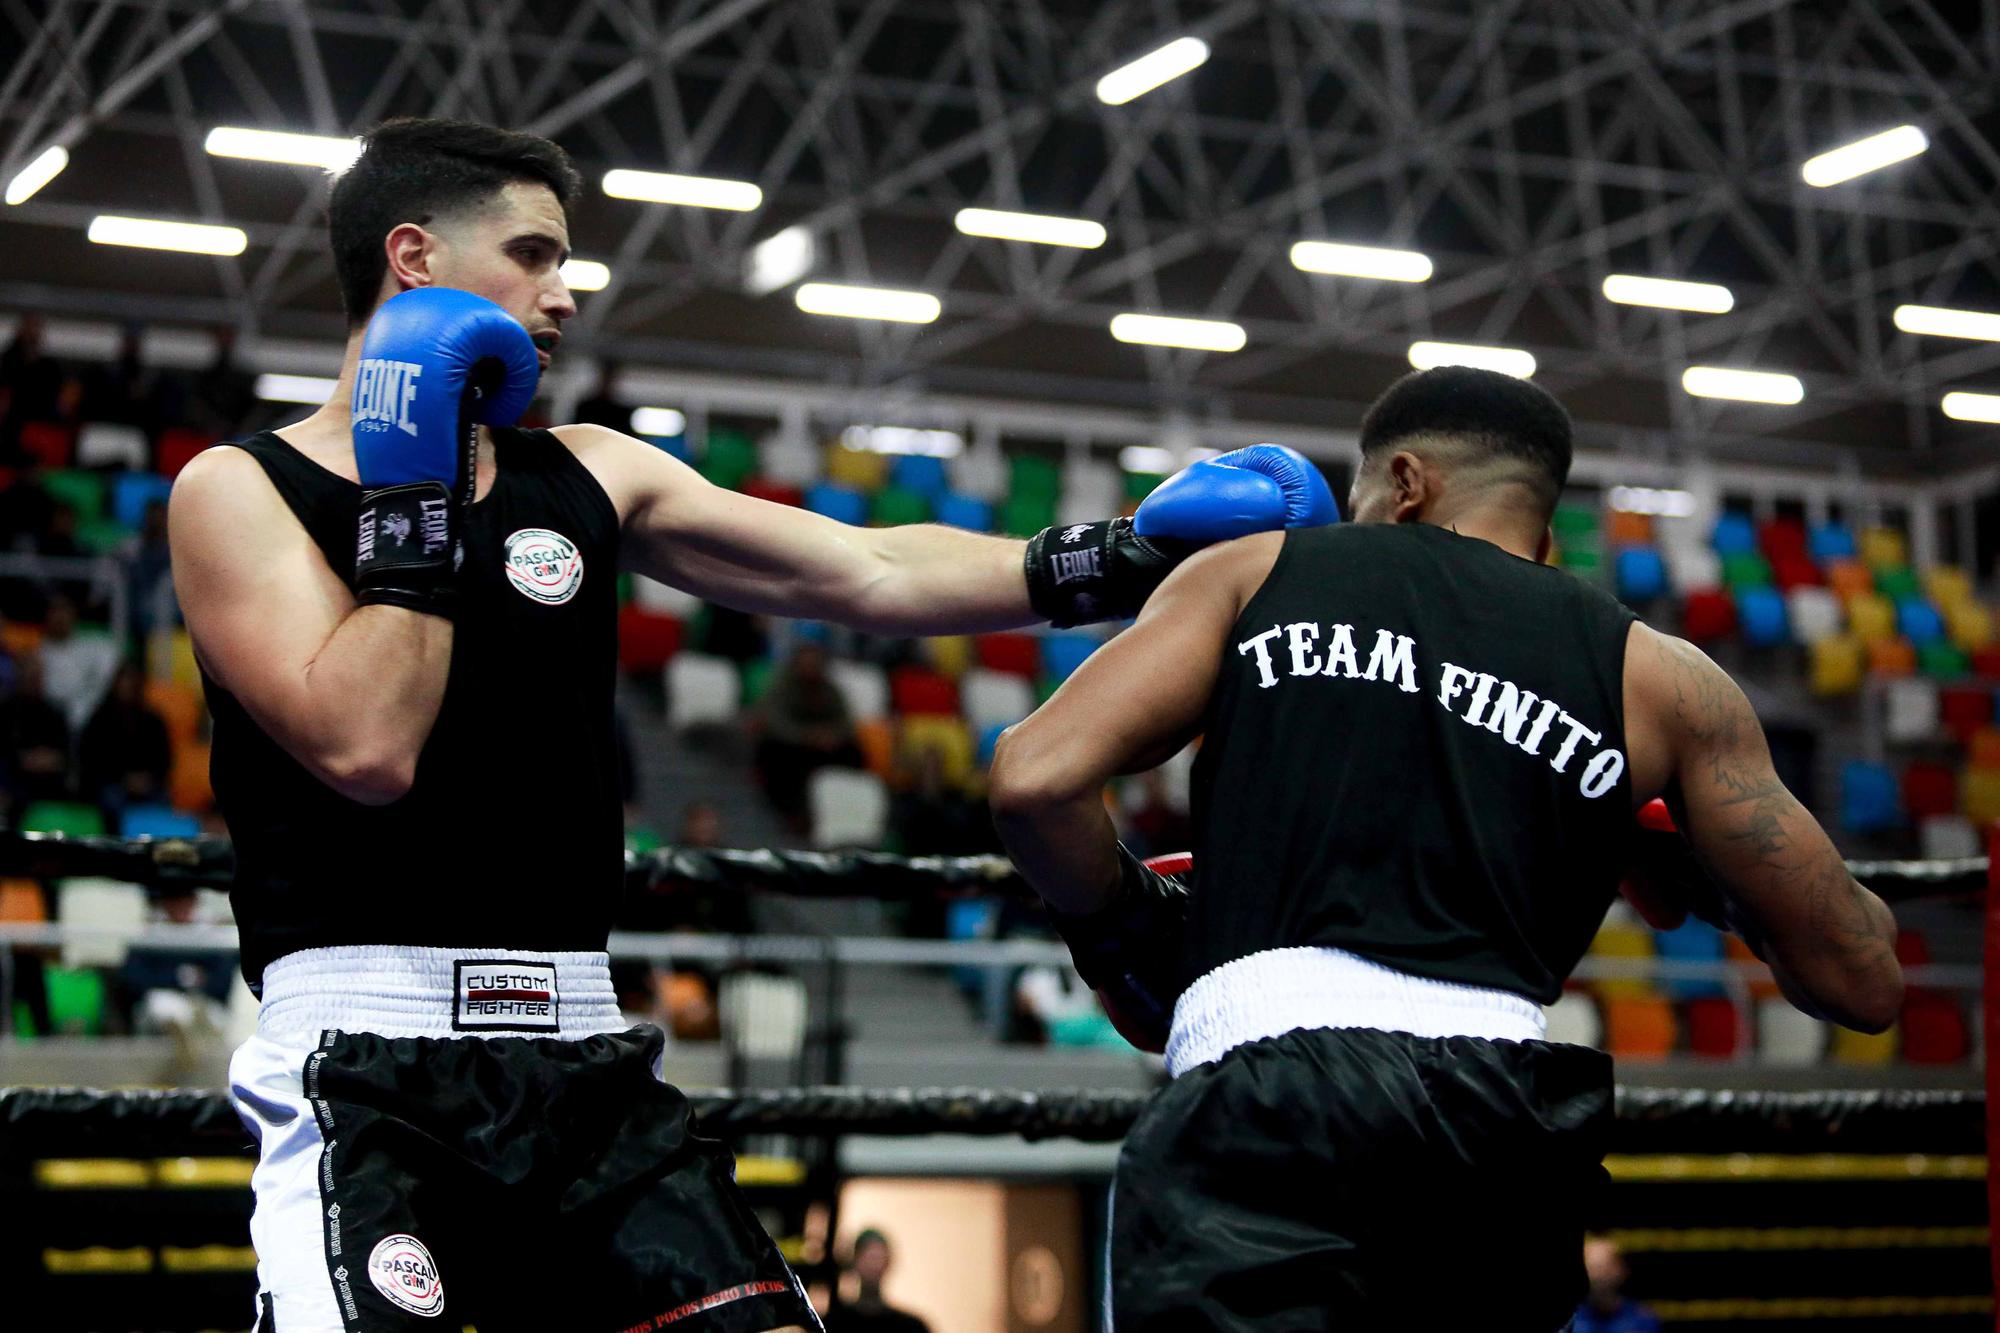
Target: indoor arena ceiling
<point>1529,148</point>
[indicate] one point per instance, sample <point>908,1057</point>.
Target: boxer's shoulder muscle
<point>634,474</point>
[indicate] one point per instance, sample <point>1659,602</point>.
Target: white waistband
<point>404,991</point>
<point>1287,990</point>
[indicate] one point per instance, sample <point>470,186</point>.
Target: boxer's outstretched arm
<point>1133,704</point>
<point>774,559</point>
<point>351,693</point>
<point>1830,942</point>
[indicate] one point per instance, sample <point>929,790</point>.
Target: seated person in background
<point>1157,826</point>
<point>177,990</point>
<point>125,754</point>
<point>867,1312</point>
<point>681,999</point>
<point>1606,1310</point>
<point>34,739</point>
<point>77,668</point>
<point>801,725</point>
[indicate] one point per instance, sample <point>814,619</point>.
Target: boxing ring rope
<point>192,1122</point>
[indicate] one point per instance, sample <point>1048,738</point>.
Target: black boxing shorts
<point>452,1138</point>
<point>1301,1174</point>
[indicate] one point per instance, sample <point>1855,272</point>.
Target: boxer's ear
<point>1411,487</point>
<point>408,248</point>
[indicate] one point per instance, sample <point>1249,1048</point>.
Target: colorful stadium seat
<point>1734,534</point>
<point>728,458</point>
<point>1836,665</point>
<point>1622,527</point>
<point>1638,1027</point>
<point>1795,571</point>
<point>1694,941</point>
<point>864,685</point>
<point>1787,1037</point>
<point>1707,615</point>
<point>1943,660</point>
<point>1947,837</point>
<point>1869,801</point>
<point>178,706</point>
<point>1918,621</point>
<point>1062,654</point>
<point>876,739</point>
<point>1883,548</point>
<point>849,808</point>
<point>922,474</point>
<point>1986,662</point>
<point>1640,574</point>
<point>132,493</point>
<point>950,654</point>
<point>1965,710</point>
<point>1849,579</point>
<point>1892,657</point>
<point>946,736</point>
<point>81,491</point>
<point>1910,710</point>
<point>1831,541</point>
<point>841,503</point>
<point>776,492</point>
<point>73,818</point>
<point>48,443</point>
<point>1930,789</point>
<point>647,640</point>
<point>894,507</point>
<point>1780,538</point>
<point>110,444</point>
<point>965,511</point>
<point>1014,654</point>
<point>1815,613</point>
<point>1897,582</point>
<point>1979,795</point>
<point>994,698</point>
<point>1026,515</point>
<point>920,690</point>
<point>1867,1049</point>
<point>157,821</point>
<point>1947,585</point>
<point>1934,1029</point>
<point>1713,1029</point>
<point>1983,748</point>
<point>1969,624</point>
<point>1760,612</point>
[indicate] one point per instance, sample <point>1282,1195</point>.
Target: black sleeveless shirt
<point>512,835</point>
<point>1414,752</point>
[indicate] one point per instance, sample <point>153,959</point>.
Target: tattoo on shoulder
<point>1716,715</point>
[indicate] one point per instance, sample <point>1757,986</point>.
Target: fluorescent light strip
<point>1668,294</point>
<point>660,187</point>
<point>1963,406</point>
<point>195,238</point>
<point>1361,261</point>
<point>1151,70</point>
<point>1864,155</point>
<point>1946,323</point>
<point>779,260</point>
<point>329,152</point>
<point>1744,386</point>
<point>832,298</point>
<point>313,389</point>
<point>585,275</point>
<point>1039,228</point>
<point>1507,360</point>
<point>48,165</point>
<point>1646,500</point>
<point>1201,335</point>
<point>1150,458</point>
<point>659,421</point>
<point>904,440</point>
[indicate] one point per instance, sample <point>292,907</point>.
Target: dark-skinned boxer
<point>1422,752</point>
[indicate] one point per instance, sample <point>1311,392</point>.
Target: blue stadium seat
<point>132,492</point>
<point>1831,541</point>
<point>1868,798</point>
<point>988,738</point>
<point>1641,574</point>
<point>1062,654</point>
<point>1761,614</point>
<point>1735,534</point>
<point>920,473</point>
<point>1918,621</point>
<point>158,821</point>
<point>838,502</point>
<point>1693,942</point>
<point>965,511</point>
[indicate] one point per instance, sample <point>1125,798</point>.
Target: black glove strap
<point>1087,572</point>
<point>406,548</point>
<point>1136,943</point>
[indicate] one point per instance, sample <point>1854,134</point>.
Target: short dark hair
<point>413,170</point>
<point>1500,418</point>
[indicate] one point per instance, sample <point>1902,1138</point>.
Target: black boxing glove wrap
<point>1086,572</point>
<point>406,548</point>
<point>1133,949</point>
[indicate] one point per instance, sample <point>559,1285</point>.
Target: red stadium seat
<point>1930,789</point>
<point>48,442</point>
<point>915,690</point>
<point>1791,571</point>
<point>1712,1028</point>
<point>1934,1029</point>
<point>178,445</point>
<point>1013,654</point>
<point>1780,538</point>
<point>647,640</point>
<point>1986,663</point>
<point>1707,616</point>
<point>776,492</point>
<point>1964,710</point>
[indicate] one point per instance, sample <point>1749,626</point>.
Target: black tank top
<point>1415,752</point>
<point>511,836</point>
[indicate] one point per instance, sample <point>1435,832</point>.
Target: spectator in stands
<point>122,391</point>
<point>149,587</point>
<point>801,725</point>
<point>867,1312</point>
<point>176,990</point>
<point>1157,826</point>
<point>681,1000</point>
<point>77,668</point>
<point>601,408</point>
<point>30,383</point>
<point>1606,1310</point>
<point>125,755</point>
<point>34,738</point>
<point>931,817</point>
<point>222,395</point>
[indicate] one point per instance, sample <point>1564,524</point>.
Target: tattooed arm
<point>1830,942</point>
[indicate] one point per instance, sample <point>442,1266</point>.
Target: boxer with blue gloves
<point>406,612</point>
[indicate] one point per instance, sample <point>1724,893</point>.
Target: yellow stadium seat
<point>1623,528</point>
<point>948,736</point>
<point>1979,795</point>
<point>861,469</point>
<point>950,654</point>
<point>1849,578</point>
<point>178,706</point>
<point>1862,1048</point>
<point>1871,617</point>
<point>1970,624</point>
<point>187,785</point>
<point>1618,939</point>
<point>1947,585</point>
<point>1883,548</point>
<point>1734,950</point>
<point>170,657</point>
<point>877,742</point>
<point>1890,658</point>
<point>1838,664</point>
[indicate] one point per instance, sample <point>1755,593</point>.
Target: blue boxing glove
<point>1105,571</point>
<point>435,362</point>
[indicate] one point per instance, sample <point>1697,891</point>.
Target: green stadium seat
<point>894,507</point>
<point>76,1001</point>
<point>1026,515</point>
<point>71,817</point>
<point>81,491</point>
<point>1029,475</point>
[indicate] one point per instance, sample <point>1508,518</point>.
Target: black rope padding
<point>210,862</point>
<point>56,1122</point>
